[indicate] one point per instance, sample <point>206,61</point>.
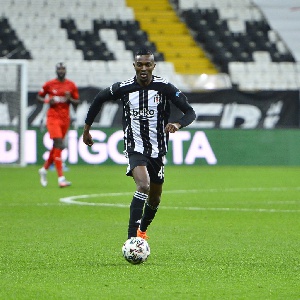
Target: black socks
<point>148,216</point>
<point>136,212</point>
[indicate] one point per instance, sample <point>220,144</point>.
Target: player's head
<point>144,65</point>
<point>60,70</point>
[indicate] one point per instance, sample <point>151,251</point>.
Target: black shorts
<point>155,166</point>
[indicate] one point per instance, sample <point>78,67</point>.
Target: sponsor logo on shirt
<point>59,99</point>
<point>142,113</point>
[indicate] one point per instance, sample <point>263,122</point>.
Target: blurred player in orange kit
<point>59,93</point>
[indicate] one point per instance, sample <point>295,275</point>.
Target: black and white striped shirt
<point>146,111</point>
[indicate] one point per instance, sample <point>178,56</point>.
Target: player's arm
<point>73,97</point>
<point>87,138</point>
<point>44,96</point>
<point>189,115</point>
<point>46,100</point>
<point>102,97</point>
<point>40,97</point>
<point>70,99</point>
<point>50,101</point>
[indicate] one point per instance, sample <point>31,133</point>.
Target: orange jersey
<point>56,90</point>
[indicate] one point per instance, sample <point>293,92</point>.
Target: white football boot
<point>43,176</point>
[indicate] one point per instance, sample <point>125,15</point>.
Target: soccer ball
<point>136,250</point>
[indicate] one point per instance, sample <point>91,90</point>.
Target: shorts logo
<point>142,113</point>
<point>157,99</point>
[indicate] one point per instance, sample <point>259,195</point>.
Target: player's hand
<point>68,96</point>
<point>52,101</point>
<point>87,138</point>
<point>172,127</point>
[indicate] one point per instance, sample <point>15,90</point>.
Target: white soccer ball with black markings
<point>136,250</point>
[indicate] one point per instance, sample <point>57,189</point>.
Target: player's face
<point>144,66</point>
<point>61,73</point>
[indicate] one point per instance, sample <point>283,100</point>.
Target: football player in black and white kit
<point>146,109</point>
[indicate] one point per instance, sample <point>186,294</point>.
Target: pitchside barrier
<point>231,127</point>
<point>186,147</point>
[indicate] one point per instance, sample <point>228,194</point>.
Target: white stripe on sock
<point>140,196</point>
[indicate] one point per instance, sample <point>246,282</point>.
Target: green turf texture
<point>220,233</point>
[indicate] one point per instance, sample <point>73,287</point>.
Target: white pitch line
<point>212,190</point>
<point>73,200</point>
<point>234,190</point>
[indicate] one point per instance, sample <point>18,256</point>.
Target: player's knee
<point>58,143</point>
<point>143,187</point>
<point>153,202</point>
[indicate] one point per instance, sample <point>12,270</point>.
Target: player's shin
<point>136,212</point>
<point>58,161</point>
<point>50,159</point>
<point>148,216</point>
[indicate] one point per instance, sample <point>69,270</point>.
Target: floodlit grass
<point>220,233</point>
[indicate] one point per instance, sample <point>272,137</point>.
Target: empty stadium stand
<point>11,45</point>
<point>97,40</point>
<point>240,41</point>
<point>171,36</point>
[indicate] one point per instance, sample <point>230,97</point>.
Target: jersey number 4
<point>161,173</point>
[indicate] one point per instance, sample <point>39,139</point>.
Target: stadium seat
<point>223,31</point>
<point>237,31</point>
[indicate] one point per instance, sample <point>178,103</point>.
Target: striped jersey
<point>146,110</point>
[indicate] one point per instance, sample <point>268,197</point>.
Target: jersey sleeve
<point>115,90</point>
<point>75,92</point>
<point>102,97</point>
<point>181,102</point>
<point>44,90</point>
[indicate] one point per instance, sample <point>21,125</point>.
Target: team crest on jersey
<point>157,98</point>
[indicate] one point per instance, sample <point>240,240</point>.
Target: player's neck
<point>144,83</point>
<point>61,79</point>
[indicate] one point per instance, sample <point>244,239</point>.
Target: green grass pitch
<point>220,233</point>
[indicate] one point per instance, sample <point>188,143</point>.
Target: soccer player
<point>146,108</point>
<point>59,93</point>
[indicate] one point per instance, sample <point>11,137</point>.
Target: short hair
<point>60,65</point>
<point>144,51</point>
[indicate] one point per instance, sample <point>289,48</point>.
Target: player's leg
<point>142,182</point>
<point>137,169</point>
<point>151,206</point>
<point>59,146</point>
<point>156,173</point>
<point>49,161</point>
<point>51,127</point>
